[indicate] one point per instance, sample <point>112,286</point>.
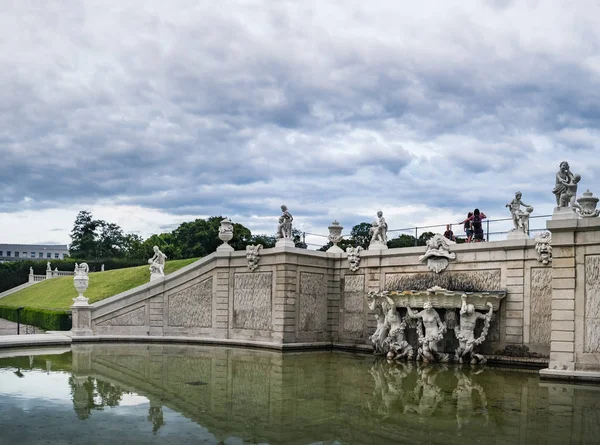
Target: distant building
<point>19,252</point>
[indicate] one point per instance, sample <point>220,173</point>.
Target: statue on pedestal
<point>520,218</point>
<point>465,332</point>
<point>379,229</point>
<point>434,332</point>
<point>284,229</point>
<point>566,186</point>
<point>396,345</point>
<point>157,264</point>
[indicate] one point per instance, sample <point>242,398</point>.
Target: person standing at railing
<point>468,225</point>
<point>475,218</point>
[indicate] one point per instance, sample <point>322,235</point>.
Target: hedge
<point>15,273</point>
<point>46,319</point>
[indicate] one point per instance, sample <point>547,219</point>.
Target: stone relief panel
<point>192,307</point>
<point>84,319</point>
<point>592,304</point>
<point>472,281</point>
<point>135,317</point>
<point>354,300</point>
<point>541,305</point>
<point>252,295</point>
<point>313,301</point>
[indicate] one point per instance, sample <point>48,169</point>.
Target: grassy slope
<point>58,293</point>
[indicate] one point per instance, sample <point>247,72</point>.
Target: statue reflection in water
<point>427,394</point>
<point>388,390</point>
<point>390,394</point>
<point>464,399</point>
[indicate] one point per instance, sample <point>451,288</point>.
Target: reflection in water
<point>193,394</point>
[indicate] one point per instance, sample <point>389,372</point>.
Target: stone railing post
<point>82,319</point>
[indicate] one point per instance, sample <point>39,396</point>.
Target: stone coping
<point>34,340</point>
<point>569,376</point>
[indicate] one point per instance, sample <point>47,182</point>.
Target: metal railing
<point>415,232</point>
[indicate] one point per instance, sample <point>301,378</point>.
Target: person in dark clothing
<point>448,233</point>
<point>477,228</point>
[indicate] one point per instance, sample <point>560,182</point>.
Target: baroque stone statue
<point>379,230</point>
<point>252,256</point>
<point>520,218</point>
<point>565,189</point>
<point>396,345</point>
<point>157,264</point>
<point>465,332</point>
<point>543,247</point>
<point>380,335</point>
<point>284,229</point>
<point>48,268</point>
<point>353,257</point>
<point>434,332</point>
<point>438,253</point>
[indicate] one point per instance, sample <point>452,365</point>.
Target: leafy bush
<point>46,319</point>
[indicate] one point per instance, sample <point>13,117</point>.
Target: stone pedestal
<point>516,234</point>
<point>377,245</point>
<point>224,248</point>
<point>82,320</point>
<point>564,213</point>
<point>335,249</point>
<point>285,242</point>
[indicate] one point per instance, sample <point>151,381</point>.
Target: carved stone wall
<point>541,305</point>
<point>135,317</point>
<point>252,300</point>
<point>313,301</point>
<point>192,306</point>
<point>476,280</point>
<point>354,301</point>
<point>592,304</point>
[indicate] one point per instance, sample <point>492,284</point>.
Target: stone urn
<point>225,234</point>
<point>335,236</point>
<point>587,204</point>
<point>81,282</point>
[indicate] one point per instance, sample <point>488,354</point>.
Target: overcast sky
<point>151,113</point>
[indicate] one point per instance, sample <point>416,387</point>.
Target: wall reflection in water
<point>328,397</point>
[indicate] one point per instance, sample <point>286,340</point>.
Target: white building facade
<point>20,252</point>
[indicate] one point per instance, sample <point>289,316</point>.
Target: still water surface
<point>157,394</point>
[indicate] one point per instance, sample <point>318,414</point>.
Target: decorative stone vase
<point>335,236</point>
<point>81,284</point>
<point>225,234</point>
<point>587,204</point>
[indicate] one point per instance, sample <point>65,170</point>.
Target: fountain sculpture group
<point>389,337</point>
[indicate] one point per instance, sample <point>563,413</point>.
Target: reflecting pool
<point>151,394</point>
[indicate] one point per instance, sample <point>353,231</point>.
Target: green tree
<point>83,236</point>
<point>361,234</point>
<point>267,241</point>
<point>403,240</point>
<point>110,241</point>
<point>298,237</point>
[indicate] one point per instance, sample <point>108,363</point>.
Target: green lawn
<point>58,293</point>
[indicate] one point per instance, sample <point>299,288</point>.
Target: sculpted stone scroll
<point>438,253</point>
